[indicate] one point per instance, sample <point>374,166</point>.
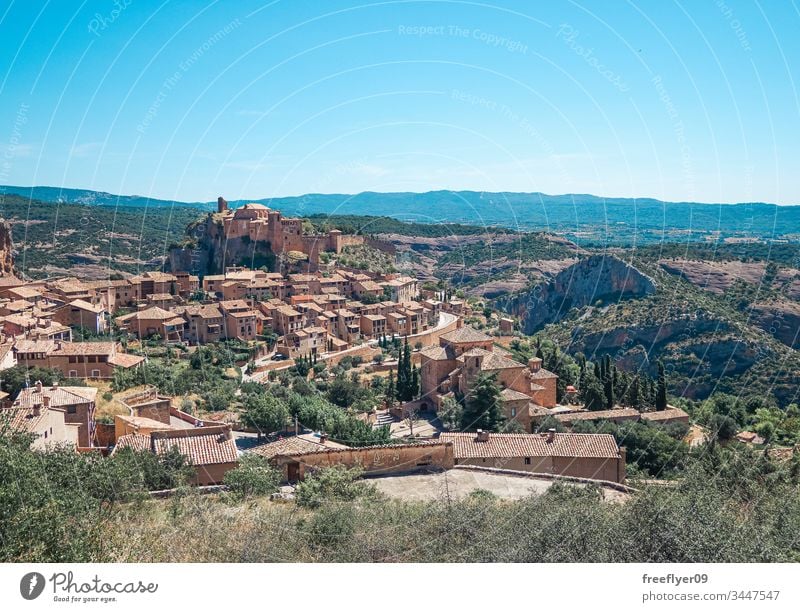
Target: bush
<point>336,483</point>
<point>254,476</point>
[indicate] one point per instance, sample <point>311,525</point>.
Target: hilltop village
<point>391,360</point>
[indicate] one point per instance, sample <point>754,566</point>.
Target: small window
<point>72,409</point>
<point>527,460</point>
<point>95,373</point>
<point>513,412</point>
<point>73,374</point>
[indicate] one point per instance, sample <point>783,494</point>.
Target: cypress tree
<point>390,389</point>
<point>661,389</point>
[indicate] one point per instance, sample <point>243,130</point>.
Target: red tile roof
<point>467,446</point>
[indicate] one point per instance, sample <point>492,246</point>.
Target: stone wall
<point>374,460</point>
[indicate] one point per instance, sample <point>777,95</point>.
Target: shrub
<point>336,483</point>
<point>254,476</point>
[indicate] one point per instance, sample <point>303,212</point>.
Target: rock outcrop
<point>6,249</point>
<point>209,252</point>
<point>598,277</point>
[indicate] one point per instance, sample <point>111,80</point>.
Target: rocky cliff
<point>206,251</point>
<point>604,278</point>
<point>6,249</point>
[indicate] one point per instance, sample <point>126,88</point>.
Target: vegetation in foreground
<point>733,505</point>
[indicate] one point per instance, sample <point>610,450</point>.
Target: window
<point>527,460</point>
<point>95,373</point>
<point>73,374</point>
<point>73,409</point>
<point>513,412</point>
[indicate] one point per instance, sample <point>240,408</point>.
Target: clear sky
<point>691,100</point>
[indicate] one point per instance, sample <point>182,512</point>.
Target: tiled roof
<point>287,446</point>
<point>153,313</point>
<point>137,442</point>
<point>465,334</point>
<point>85,348</point>
<point>665,415</point>
<point>594,415</point>
<point>204,311</point>
<point>212,447</point>
<point>34,346</point>
<point>466,445</point>
<point>493,361</point>
<point>60,396</point>
<point>22,419</point>
<point>438,353</point>
<point>84,305</point>
<point>512,395</point>
<point>125,360</point>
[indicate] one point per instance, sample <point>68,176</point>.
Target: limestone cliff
<point>598,277</point>
<point>207,251</point>
<point>6,249</point>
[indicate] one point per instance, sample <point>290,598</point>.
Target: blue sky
<point>190,100</point>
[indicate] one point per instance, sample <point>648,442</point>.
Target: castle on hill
<point>259,223</point>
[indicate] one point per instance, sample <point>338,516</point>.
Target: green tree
<point>336,483</point>
<point>483,408</point>
<point>592,392</point>
<point>451,413</point>
<point>661,388</point>
<point>254,476</point>
<point>266,414</point>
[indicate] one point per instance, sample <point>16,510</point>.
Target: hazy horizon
<point>180,100</point>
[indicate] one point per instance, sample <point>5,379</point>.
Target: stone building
<point>593,456</point>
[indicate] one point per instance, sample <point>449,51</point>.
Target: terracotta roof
<point>287,446</point>
<point>665,415</point>
<point>465,334</point>
<point>512,395</point>
<point>137,442</point>
<point>204,311</point>
<point>59,396</point>
<point>594,415</point>
<point>125,360</point>
<point>153,313</point>
<point>84,305</point>
<point>493,361</point>
<point>34,346</point>
<point>85,348</point>
<point>438,353</point>
<point>22,419</point>
<point>201,446</point>
<point>466,445</point>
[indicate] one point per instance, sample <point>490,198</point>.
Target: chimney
<point>37,408</point>
<point>46,401</point>
<point>323,437</point>
<point>54,386</point>
<point>534,364</point>
<point>483,436</point>
<point>551,435</point>
<point>38,386</point>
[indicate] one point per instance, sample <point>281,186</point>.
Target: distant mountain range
<point>581,216</point>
